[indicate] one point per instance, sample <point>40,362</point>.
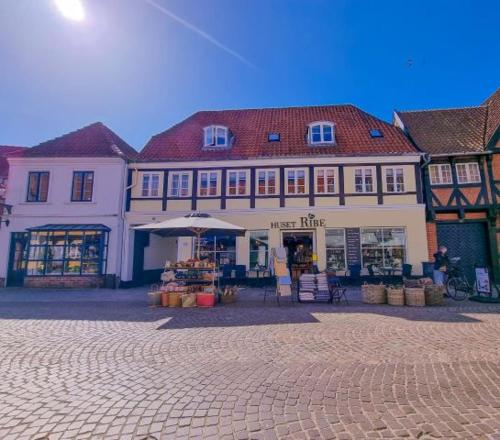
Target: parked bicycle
<point>457,284</point>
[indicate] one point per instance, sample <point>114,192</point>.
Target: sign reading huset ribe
<point>309,221</point>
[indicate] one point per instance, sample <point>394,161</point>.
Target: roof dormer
<point>216,136</point>
<point>321,133</point>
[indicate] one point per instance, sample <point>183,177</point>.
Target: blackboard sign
<point>353,244</point>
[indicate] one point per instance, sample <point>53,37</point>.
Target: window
<point>383,247</point>
<point>273,137</point>
<point>440,174</point>
<point>363,180</point>
<point>335,249</point>
<point>62,253</point>
<point>468,172</point>
<point>395,181</point>
<point>321,133</point>
<point>266,182</point>
<point>296,181</point>
<point>208,184</point>
<point>220,249</point>
<point>259,249</point>
<point>179,184</point>
<point>376,133</point>
<point>325,181</point>
<point>150,185</point>
<point>215,136</point>
<point>83,183</point>
<point>237,183</point>
<point>38,186</point>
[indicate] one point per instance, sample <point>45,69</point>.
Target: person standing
<point>441,263</point>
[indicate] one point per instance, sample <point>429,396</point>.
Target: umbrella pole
<point>198,237</point>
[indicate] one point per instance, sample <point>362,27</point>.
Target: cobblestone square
<point>102,364</point>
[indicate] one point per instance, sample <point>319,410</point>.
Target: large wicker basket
<point>174,299</point>
<point>189,300</point>
<point>415,296</point>
<point>434,295</point>
<point>395,296</point>
<point>374,293</point>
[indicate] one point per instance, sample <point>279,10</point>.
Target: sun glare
<point>71,9</point>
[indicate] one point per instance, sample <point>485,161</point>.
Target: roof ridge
<point>442,109</point>
<point>67,134</point>
<point>276,108</point>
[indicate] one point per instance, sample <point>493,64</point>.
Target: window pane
<point>371,237</point>
<point>203,184</point>
<point>44,187</point>
<point>38,238</point>
<point>77,186</point>
<point>232,183</point>
<point>90,267</point>
<point>221,136</point>
<point>242,183</point>
<point>327,133</point>
<point>32,187</point>
<point>213,184</point>
<point>320,181</point>
<point>446,173</point>
<point>185,185</point>
<point>259,247</point>
<point>54,267</point>
<point>92,244</point>
<point>271,182</point>
<point>74,245</point>
<point>72,267</point>
<point>88,183</point>
<point>316,133</point>
<point>262,182</point>
<point>155,185</point>
<point>335,249</point>
<point>37,252</point>
<point>35,268</point>
<point>291,182</point>
<point>334,238</point>
<point>145,185</point>
<point>174,192</point>
<point>209,136</point>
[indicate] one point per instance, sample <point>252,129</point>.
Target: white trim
<point>395,183</point>
<point>170,183</point>
<point>321,125</point>
<point>266,184</point>
<point>364,185</point>
<point>468,174</point>
<point>213,129</point>
<point>217,183</point>
<point>439,167</point>
<point>247,182</point>
<point>295,172</point>
<point>150,185</point>
<point>335,180</point>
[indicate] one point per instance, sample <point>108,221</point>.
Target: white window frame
<point>209,174</point>
<point>266,182</point>
<point>321,125</point>
<point>365,172</point>
<point>399,187</point>
<point>238,173</point>
<point>470,176</point>
<point>318,172</point>
<point>438,179</point>
<point>148,190</point>
<point>211,138</point>
<point>180,188</point>
<point>296,187</point>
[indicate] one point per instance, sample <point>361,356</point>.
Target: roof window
<point>273,137</point>
<point>376,133</point>
<point>321,133</point>
<point>215,136</point>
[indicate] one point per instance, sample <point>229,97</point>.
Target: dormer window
<point>321,133</point>
<point>216,136</point>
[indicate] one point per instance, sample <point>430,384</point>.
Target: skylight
<point>376,133</point>
<point>273,137</point>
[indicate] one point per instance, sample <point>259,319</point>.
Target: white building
<point>67,198</point>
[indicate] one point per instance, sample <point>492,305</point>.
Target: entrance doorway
<point>17,259</point>
<point>300,250</point>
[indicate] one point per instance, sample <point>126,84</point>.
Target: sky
<point>140,66</point>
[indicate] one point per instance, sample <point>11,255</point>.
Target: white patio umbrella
<point>193,225</point>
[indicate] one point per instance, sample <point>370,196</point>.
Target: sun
<point>71,9</point>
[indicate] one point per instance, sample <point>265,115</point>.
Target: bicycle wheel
<point>457,289</point>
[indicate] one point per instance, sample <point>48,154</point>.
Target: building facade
<point>461,175</point>
<point>5,152</point>
<point>66,225</point>
<point>335,185</point>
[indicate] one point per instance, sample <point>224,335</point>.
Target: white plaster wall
<point>160,250</point>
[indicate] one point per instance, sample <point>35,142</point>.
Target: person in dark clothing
<point>441,264</point>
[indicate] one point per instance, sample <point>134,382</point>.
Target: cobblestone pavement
<point>101,364</point>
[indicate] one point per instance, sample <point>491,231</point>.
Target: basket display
<point>374,293</point>
<point>395,296</point>
<point>174,299</point>
<point>414,296</point>
<point>164,299</point>
<point>154,296</point>
<point>189,300</point>
<point>434,295</point>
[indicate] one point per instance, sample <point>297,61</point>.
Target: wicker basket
<point>434,295</point>
<point>395,296</point>
<point>154,296</point>
<point>189,300</point>
<point>164,299</point>
<point>174,299</point>
<point>374,293</point>
<point>415,296</point>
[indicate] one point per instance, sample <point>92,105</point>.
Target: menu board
<point>353,244</point>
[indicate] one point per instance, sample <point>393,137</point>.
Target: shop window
<point>335,249</point>
<point>266,182</point>
<point>296,181</point>
<point>259,249</point>
<point>237,184</point>
<point>440,174</point>
<point>468,172</point>
<point>150,185</point>
<point>179,184</point>
<point>325,181</point>
<point>208,184</point>
<point>321,133</point>
<point>363,180</point>
<point>83,184</point>
<point>383,247</point>
<point>66,253</point>
<point>220,249</point>
<point>395,180</point>
<point>38,186</point>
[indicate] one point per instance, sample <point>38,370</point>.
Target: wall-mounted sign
<point>483,280</point>
<point>309,221</point>
<point>353,245</point>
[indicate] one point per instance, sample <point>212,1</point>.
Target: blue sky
<point>139,71</point>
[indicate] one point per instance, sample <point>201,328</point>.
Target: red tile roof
<point>95,140</point>
<point>456,130</point>
<point>250,128</point>
<point>5,152</point>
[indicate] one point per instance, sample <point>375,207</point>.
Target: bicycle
<point>457,284</point>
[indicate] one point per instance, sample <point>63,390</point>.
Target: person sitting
<point>441,263</point>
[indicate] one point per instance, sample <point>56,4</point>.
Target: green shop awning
<point>75,227</point>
